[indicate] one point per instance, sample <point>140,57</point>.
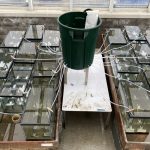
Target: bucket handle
<point>88,9</point>
<point>71,33</point>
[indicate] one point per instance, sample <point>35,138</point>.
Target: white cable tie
<point>49,109</point>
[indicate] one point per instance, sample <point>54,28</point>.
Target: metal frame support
<point>111,5</point>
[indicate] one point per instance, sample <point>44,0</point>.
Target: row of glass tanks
<point>27,88</point>
<point>129,56</point>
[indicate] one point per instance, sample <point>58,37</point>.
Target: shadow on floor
<point>85,131</point>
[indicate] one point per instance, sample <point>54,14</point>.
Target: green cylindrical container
<point>78,43</point>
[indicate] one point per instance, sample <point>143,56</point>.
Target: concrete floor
<point>85,131</point>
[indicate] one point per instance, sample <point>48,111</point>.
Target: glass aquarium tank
<point>29,77</point>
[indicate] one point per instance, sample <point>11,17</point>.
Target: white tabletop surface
<point>94,96</point>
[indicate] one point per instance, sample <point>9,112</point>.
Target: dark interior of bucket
<point>73,20</point>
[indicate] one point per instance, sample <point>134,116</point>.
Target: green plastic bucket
<point>78,43</point>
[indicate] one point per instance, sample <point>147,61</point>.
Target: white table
<point>94,96</point>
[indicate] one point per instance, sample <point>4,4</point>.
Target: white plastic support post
<point>111,5</point>
<point>30,4</point>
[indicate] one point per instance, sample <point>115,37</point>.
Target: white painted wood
<point>94,96</point>
<point>111,5</point>
<point>71,5</point>
<point>30,3</point>
<point>8,11</point>
<point>149,7</point>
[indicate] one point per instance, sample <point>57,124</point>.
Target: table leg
<point>64,119</point>
<point>107,122</point>
<point>65,75</point>
<point>86,75</point>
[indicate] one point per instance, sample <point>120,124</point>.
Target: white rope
<point>103,41</point>
<point>60,81</point>
<point>127,81</point>
<point>123,45</point>
<point>124,106</point>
